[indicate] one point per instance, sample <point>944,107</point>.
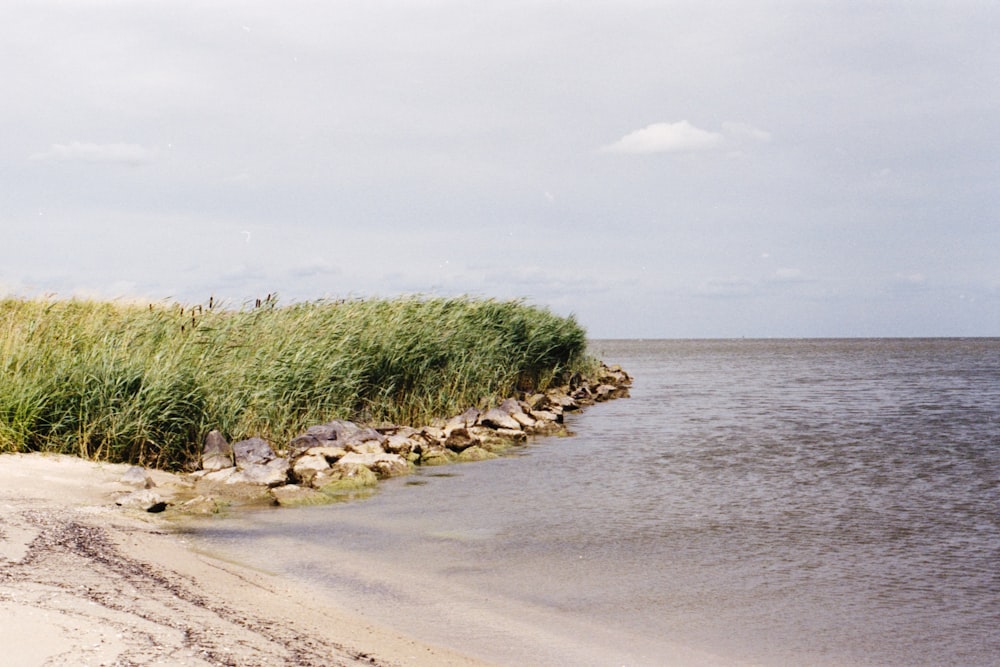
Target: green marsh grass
<point>145,383</point>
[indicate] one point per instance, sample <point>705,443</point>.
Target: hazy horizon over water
<point>789,501</point>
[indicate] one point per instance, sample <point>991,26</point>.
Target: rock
<point>548,428</point>
<point>201,505</point>
<point>146,500</point>
<point>433,434</point>
<point>137,476</point>
<point>499,419</point>
<point>526,421</point>
<point>464,420</point>
<point>563,401</point>
<point>603,392</point>
<point>331,454</point>
<point>344,477</point>
<point>365,447</point>
<point>306,467</point>
<point>272,473</point>
<point>338,429</point>
<point>537,402</point>
<point>253,451</point>
<point>302,443</point>
<point>217,453</point>
<point>383,464</point>
<point>517,435</point>
<point>546,416</point>
<point>292,495</point>
<point>401,444</point>
<point>460,439</point>
<point>359,437</point>
<point>219,476</point>
<point>475,453</point>
<point>437,456</point>
<point>510,406</point>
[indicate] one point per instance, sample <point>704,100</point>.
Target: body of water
<point>786,502</point>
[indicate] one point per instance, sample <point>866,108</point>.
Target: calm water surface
<point>821,502</point>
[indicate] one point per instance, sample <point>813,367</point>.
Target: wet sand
<point>84,582</point>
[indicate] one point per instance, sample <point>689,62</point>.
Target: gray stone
<point>517,435</point>
<point>398,443</point>
<point>460,439</point>
<point>526,421</point>
<point>146,500</point>
<point>302,443</point>
<point>383,465</point>
<point>253,451</point>
<point>364,447</point>
<point>475,454</point>
<point>499,419</point>
<point>272,473</point>
<point>306,467</point>
<point>218,476</point>
<point>510,406</point>
<point>331,454</point>
<point>217,453</point>
<point>344,477</point>
<point>361,436</point>
<point>137,476</point>
<point>437,456</point>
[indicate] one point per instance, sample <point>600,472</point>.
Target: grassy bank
<point>145,383</point>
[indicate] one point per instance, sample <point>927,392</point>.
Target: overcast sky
<point>658,169</point>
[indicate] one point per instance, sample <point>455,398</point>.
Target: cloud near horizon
<point>78,151</point>
<point>677,137</point>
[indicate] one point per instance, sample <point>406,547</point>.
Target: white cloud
<point>666,138</point>
<point>86,152</point>
<point>745,132</point>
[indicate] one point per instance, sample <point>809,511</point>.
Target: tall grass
<point>144,384</point>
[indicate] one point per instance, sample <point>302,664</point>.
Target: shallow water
<point>769,502</point>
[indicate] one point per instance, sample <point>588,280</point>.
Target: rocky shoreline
<point>341,458</point>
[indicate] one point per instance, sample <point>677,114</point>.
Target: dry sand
<point>84,582</point>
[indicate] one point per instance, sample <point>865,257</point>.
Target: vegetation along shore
<point>318,399</point>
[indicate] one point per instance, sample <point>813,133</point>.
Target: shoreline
<point>86,582</point>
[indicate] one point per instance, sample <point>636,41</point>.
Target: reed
<point>144,383</point>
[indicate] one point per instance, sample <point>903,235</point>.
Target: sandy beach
<point>85,582</point>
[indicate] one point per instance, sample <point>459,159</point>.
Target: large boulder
<point>383,464</point>
<point>253,451</point>
<point>499,419</point>
<point>217,453</point>
<point>306,467</point>
<point>511,406</point>
<point>475,453</point>
<point>400,443</point>
<point>436,456</point>
<point>464,420</point>
<point>344,477</point>
<point>302,443</point>
<point>460,439</point>
<point>360,438</point>
<point>272,473</point>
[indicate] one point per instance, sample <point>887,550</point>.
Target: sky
<point>657,169</point>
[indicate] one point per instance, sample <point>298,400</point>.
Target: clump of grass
<point>144,384</point>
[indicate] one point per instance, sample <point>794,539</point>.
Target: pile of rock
<point>342,457</point>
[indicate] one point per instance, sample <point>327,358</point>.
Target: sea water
<point>772,502</point>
